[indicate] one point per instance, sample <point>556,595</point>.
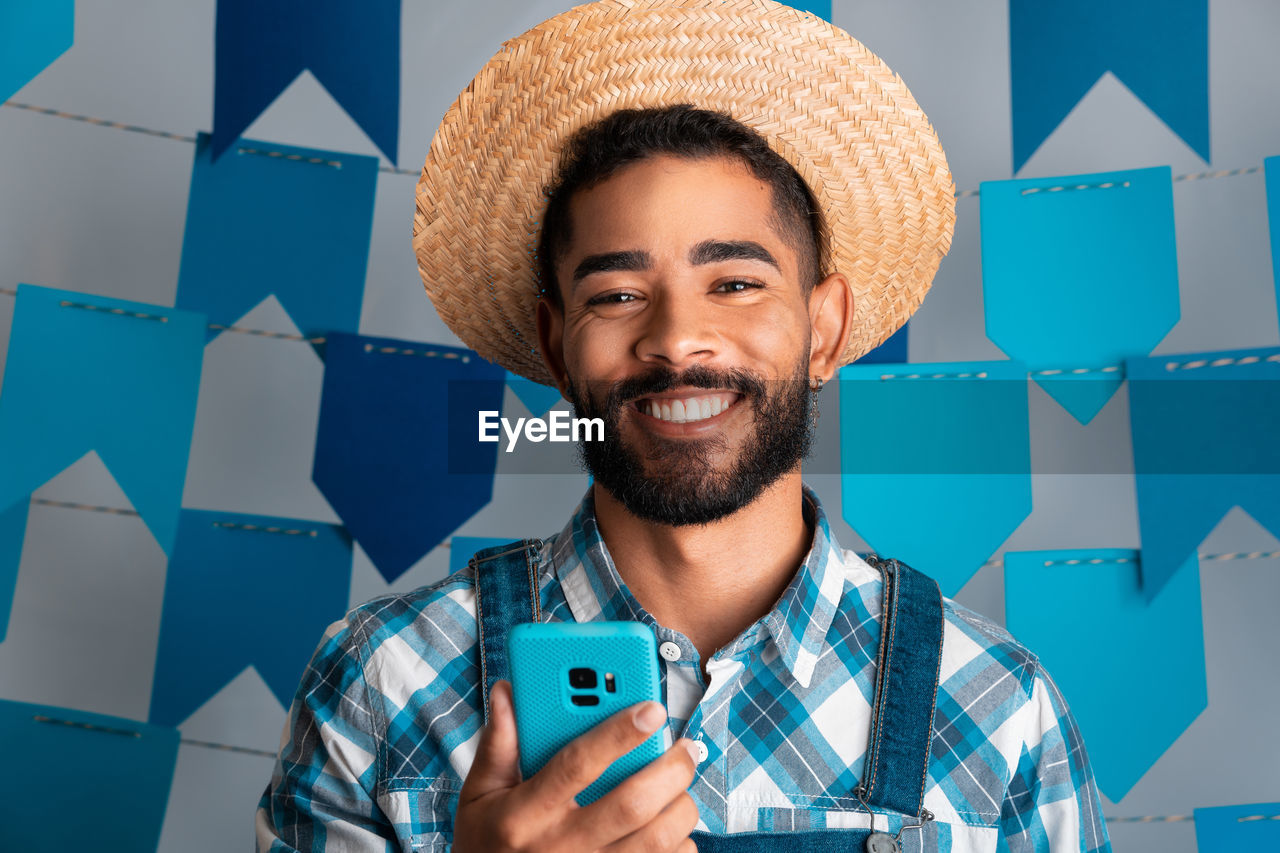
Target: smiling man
<point>720,224</point>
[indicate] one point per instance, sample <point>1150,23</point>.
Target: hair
<point>596,151</point>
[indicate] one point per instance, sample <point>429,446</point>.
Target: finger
<point>497,762</point>
<point>639,799</point>
<point>668,832</point>
<point>581,761</point>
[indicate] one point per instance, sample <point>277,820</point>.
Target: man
<point>697,277</point>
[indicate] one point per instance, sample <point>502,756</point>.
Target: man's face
<point>686,328</point>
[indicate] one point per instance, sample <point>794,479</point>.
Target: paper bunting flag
<point>88,373</point>
<point>271,218</point>
<point>33,33</point>
<point>1131,671</point>
<point>537,398</point>
<point>1271,166</point>
<point>462,547</point>
<point>353,49</point>
<point>13,529</point>
<point>892,351</point>
<point>75,779</point>
<point>244,590</point>
<point>1231,829</point>
<point>1078,273</point>
<point>935,461</point>
<point>1057,51</point>
<point>821,8</point>
<point>397,450</point>
<point>1204,430</point>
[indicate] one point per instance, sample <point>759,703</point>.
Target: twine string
<point>1178,818</point>
<point>133,128</point>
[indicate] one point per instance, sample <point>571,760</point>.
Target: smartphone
<point>567,676</point>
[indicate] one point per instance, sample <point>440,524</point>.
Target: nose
<point>678,332</point>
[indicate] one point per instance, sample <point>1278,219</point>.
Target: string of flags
<point>266,219</point>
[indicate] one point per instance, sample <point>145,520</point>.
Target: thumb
<point>497,763</point>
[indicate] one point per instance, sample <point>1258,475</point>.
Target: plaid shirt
<point>385,722</point>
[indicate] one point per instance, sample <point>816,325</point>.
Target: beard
<point>679,482</point>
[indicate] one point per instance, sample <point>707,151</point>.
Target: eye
<point>737,285</point>
<point>619,298</point>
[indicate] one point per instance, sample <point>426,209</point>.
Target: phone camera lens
<point>582,678</point>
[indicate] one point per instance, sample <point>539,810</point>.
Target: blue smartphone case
<point>555,701</point>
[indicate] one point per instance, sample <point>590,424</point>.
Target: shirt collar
<point>798,623</point>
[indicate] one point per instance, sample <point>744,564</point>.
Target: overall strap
<point>897,761</point>
<point>506,582</point>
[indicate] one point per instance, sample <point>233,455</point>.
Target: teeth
<point>688,410</point>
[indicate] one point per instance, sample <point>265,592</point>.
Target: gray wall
<point>102,211</point>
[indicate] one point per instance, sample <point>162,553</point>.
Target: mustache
<point>661,379</point>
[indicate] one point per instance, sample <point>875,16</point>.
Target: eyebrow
<point>706,252</point>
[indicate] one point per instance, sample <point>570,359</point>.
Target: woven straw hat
<point>824,102</point>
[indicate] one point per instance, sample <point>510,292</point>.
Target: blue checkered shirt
<point>385,722</point>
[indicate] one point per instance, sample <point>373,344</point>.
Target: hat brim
<point>825,103</point>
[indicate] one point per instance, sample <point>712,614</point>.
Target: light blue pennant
<point>1231,829</point>
<point>1271,168</point>
<point>88,372</point>
<point>271,218</point>
<point>1131,671</point>
<point>821,8</point>
<point>537,398</point>
<point>33,33</point>
<point>1204,430</point>
<point>1057,51</point>
<point>74,779</point>
<point>353,49</point>
<point>279,580</point>
<point>461,549</point>
<point>1078,273</point>
<point>13,529</point>
<point>935,461</point>
<point>398,454</point>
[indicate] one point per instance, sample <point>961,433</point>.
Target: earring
<point>815,387</point>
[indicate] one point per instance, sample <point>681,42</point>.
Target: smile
<point>686,409</point>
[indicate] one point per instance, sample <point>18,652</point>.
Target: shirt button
<point>669,651</point>
<point>703,752</point>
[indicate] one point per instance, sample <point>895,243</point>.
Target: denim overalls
<point>507,593</point>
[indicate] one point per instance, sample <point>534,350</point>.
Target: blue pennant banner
<point>1204,431</point>
<point>935,461</point>
<point>461,548</point>
<point>537,398</point>
<point>353,49</point>
<point>1078,273</point>
<point>74,780</point>
<point>1134,672</point>
<point>821,8</point>
<point>1057,51</point>
<point>295,222</point>
<point>13,529</point>
<point>1271,167</point>
<point>33,33</point>
<point>88,373</point>
<point>892,351</point>
<point>398,454</point>
<point>300,576</point>
<point>1231,829</point>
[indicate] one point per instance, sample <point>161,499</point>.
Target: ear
<point>549,320</point>
<point>831,324</point>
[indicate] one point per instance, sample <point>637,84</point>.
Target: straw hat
<point>824,102</point>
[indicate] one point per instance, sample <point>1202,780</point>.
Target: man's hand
<point>650,811</point>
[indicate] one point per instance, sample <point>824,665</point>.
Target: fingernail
<point>691,748</point>
<point>649,716</point>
